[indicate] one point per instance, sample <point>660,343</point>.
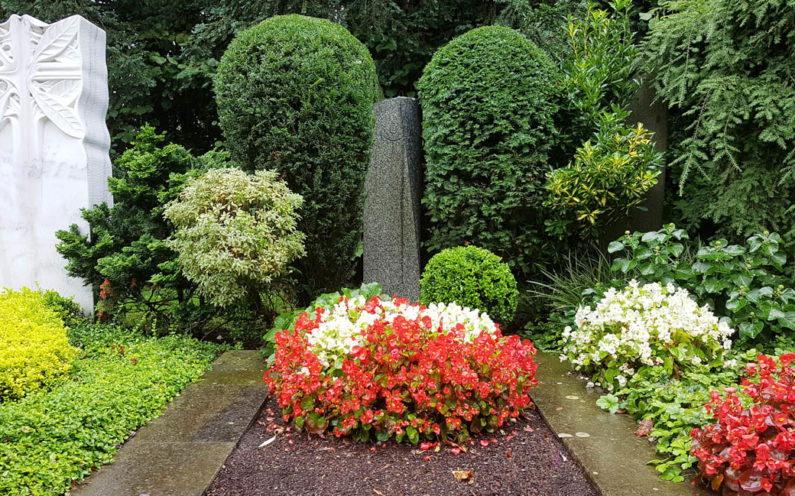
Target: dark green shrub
<point>488,100</point>
<point>296,94</point>
<point>125,259</point>
<point>726,70</point>
<point>472,277</point>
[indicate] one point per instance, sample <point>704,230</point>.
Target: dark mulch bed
<point>528,460</point>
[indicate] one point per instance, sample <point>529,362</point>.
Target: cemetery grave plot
<point>529,460</point>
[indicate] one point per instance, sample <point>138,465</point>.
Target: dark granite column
<point>392,205</point>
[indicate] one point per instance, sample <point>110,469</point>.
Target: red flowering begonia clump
<point>751,450</point>
<point>390,369</point>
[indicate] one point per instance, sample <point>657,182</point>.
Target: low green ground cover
<point>120,380</point>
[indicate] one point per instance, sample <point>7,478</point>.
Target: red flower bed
<point>750,450</point>
<point>404,378</point>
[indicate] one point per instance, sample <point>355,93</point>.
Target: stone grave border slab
<point>604,445</point>
<point>180,452</point>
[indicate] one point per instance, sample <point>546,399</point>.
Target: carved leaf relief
<point>43,62</point>
<point>60,114</point>
<point>55,40</point>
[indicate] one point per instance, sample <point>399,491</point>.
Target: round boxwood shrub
<point>472,277</point>
<point>34,349</point>
<point>488,99</point>
<point>296,94</point>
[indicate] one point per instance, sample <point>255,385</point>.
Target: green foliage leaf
<point>609,402</point>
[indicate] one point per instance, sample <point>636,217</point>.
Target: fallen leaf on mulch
<point>379,493</point>
<point>455,446</point>
<point>464,476</point>
<point>268,442</point>
<point>645,427</point>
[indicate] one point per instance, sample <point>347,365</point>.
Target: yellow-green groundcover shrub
<point>34,349</point>
<point>121,379</point>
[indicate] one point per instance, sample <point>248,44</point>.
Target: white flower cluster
<point>340,330</point>
<point>638,325</point>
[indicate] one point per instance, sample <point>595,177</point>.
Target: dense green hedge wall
<point>296,94</point>
<point>488,99</point>
<point>472,277</point>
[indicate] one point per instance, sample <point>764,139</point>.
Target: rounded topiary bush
<point>34,349</point>
<point>296,94</point>
<point>488,101</point>
<point>472,277</point>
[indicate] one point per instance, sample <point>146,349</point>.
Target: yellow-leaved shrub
<point>34,349</point>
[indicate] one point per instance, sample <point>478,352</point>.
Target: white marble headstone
<point>53,145</point>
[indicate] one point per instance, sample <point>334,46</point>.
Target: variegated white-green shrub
<point>235,232</point>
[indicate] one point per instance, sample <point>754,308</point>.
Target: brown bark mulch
<point>527,460</point>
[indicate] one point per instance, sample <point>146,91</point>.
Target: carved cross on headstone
<point>53,144</point>
<point>39,72</point>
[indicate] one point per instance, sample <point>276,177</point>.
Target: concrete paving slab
<point>179,453</point>
<point>206,413</point>
<point>238,368</point>
<point>604,444</point>
<point>158,469</point>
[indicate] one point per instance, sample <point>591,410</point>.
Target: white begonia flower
<point>628,326</point>
<point>342,328</point>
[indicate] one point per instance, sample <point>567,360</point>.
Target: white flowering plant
<point>643,325</point>
<point>342,330</point>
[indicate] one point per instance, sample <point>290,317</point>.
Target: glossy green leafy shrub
<point>121,380</point>
<point>472,277</point>
<point>235,233</point>
<point>744,283</point>
<point>607,179</point>
<point>597,73</point>
<point>296,94</point>
<point>488,100</point>
<point>34,350</point>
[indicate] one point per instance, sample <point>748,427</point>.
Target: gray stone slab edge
<point>181,452</point>
<point>603,444</point>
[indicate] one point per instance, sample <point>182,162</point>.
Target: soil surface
<point>527,460</point>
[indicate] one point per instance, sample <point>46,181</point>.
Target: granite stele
<point>392,205</point>
<point>53,145</point>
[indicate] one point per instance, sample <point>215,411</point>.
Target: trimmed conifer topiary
<point>472,277</point>
<point>296,94</point>
<point>488,99</point>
